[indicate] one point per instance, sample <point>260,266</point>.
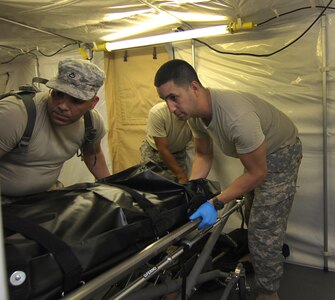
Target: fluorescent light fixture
<point>167,38</point>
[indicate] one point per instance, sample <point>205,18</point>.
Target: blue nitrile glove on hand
<point>208,214</point>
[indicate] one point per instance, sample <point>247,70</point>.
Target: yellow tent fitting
<point>99,47</point>
<point>83,53</point>
<point>237,26</point>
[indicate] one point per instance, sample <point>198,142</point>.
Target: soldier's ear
<point>94,101</point>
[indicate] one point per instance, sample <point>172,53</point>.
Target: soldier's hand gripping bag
<point>56,240</point>
<point>200,191</point>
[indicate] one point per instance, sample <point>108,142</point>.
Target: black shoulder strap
<point>29,103</point>
<point>28,100</point>
<point>90,132</point>
<point>89,135</point>
<point>27,93</point>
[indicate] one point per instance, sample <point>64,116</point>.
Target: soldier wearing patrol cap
<point>59,131</point>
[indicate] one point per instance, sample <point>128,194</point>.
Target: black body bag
<point>55,240</point>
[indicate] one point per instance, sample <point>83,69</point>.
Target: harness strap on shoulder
<point>27,97</point>
<point>29,103</point>
<point>27,93</point>
<point>90,133</point>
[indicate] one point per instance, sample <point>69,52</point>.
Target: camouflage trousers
<point>267,209</point>
<point>150,154</point>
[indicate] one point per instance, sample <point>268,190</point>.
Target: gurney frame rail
<point>102,282</point>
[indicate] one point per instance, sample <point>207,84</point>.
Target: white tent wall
<point>22,70</point>
<point>292,81</point>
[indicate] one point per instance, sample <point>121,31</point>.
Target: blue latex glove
<point>207,213</point>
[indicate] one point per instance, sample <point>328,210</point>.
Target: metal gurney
<point>149,283</point>
<point>56,240</point>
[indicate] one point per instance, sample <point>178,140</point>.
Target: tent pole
<point>325,141</point>
<point>3,272</point>
<point>193,54</point>
<point>36,29</point>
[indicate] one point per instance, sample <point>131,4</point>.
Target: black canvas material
<point>101,224</point>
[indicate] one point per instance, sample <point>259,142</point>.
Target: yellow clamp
<point>239,25</point>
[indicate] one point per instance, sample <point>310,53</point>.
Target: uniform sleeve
<point>13,121</point>
<point>247,133</point>
<point>156,126</point>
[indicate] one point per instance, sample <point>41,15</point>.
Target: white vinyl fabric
<point>292,81</point>
<point>40,26</point>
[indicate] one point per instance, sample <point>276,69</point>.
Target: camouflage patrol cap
<point>78,78</point>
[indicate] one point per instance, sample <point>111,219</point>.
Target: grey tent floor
<point>298,283</point>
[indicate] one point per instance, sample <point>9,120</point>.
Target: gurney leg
<point>171,286</point>
<point>198,267</point>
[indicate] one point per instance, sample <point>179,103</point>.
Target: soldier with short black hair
<point>265,141</point>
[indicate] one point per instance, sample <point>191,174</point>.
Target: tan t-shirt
<point>49,147</point>
<point>241,122</point>
<point>162,123</point>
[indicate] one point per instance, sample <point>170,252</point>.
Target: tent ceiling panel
<point>28,25</point>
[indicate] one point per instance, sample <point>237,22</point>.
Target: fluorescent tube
<point>167,38</point>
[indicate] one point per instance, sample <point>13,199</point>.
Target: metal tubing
<point>202,259</point>
<point>194,274</point>
<point>36,29</point>
<point>112,276</point>
<point>162,264</point>
<point>150,273</point>
<point>154,291</point>
<point>171,286</point>
<point>325,142</point>
<point>101,282</point>
<point>3,272</point>
<point>193,54</point>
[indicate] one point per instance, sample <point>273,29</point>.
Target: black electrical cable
<point>274,52</point>
<point>22,53</point>
<point>59,50</point>
<point>290,12</point>
<point>199,41</point>
<point>30,52</point>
